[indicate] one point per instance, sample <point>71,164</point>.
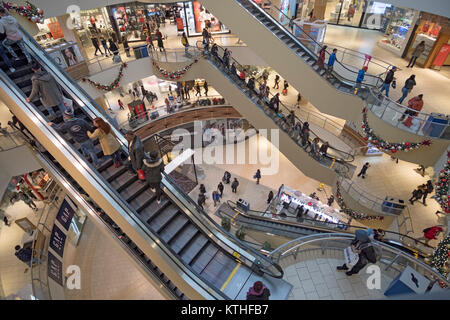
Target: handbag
<point>351,257</point>
<point>394,84</point>
<point>141,174</point>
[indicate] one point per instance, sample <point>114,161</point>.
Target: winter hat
<point>361,235</point>
<point>364,68</point>
<point>68,114</point>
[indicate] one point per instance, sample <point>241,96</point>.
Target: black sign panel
<point>65,214</point>
<point>55,268</point>
<point>57,240</point>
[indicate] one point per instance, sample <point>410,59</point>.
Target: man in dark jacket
<point>25,255</point>
<point>366,252</point>
<point>428,189</point>
<point>135,151</point>
<point>96,45</point>
<point>234,185</point>
<point>48,90</point>
<point>220,188</point>
<point>77,129</point>
<point>153,168</point>
<point>387,81</point>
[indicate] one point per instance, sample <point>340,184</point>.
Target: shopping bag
<point>408,122</point>
<point>68,104</point>
<point>284,92</point>
<point>141,174</point>
<point>394,84</point>
<point>351,257</point>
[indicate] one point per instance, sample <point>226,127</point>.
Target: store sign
<point>55,30</point>
<point>55,269</point>
<point>442,55</point>
<point>65,214</point>
<point>57,240</point>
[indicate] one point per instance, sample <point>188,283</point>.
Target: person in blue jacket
<point>360,78</point>
<point>331,61</point>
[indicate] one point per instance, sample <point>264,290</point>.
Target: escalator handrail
<point>238,246</point>
<point>234,207</point>
<point>294,38</point>
<point>109,192</point>
<point>296,243</point>
<point>348,157</point>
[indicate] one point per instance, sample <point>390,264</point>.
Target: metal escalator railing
<point>335,158</point>
<point>344,78</point>
<point>270,17</point>
<point>100,183</point>
<point>391,257</point>
<point>111,195</point>
<point>408,243</point>
<point>245,256</point>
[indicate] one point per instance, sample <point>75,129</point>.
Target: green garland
<point>385,145</point>
<point>110,87</point>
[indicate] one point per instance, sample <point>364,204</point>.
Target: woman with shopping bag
<point>108,141</point>
<point>359,254</point>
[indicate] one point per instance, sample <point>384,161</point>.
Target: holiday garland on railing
<point>439,258</point>
<point>110,87</point>
<point>350,212</point>
<point>442,186</point>
<point>385,145</point>
<point>30,11</point>
<point>176,74</point>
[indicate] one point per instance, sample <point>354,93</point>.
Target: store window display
<point>90,23</point>
<point>398,28</point>
<point>198,17</point>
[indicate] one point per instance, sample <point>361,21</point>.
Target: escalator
<point>321,167</point>
<point>195,253</point>
<point>292,227</point>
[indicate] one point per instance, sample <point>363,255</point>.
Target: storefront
<point>435,32</point>
<point>398,27</point>
<point>92,22</point>
<point>195,17</point>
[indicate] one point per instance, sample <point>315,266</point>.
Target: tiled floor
<point>317,278</point>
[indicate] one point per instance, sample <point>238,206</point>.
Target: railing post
<point>392,262</point>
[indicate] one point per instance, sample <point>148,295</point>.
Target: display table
<point>408,282</point>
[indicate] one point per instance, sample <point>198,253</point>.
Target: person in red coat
<point>415,103</point>
<point>430,234</point>
<point>321,59</point>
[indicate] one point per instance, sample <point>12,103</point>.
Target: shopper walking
<point>226,177</point>
<point>331,61</point>
<point>363,171</point>
<point>185,43</point>
<point>105,46</point>
<point>115,51</point>
<point>78,129</point>
<point>361,245</point>
<point>96,45</point>
<point>135,152</point>
<point>108,141</point>
<point>387,81</point>
<point>409,84</point>
<point>153,168</point>
<point>270,197</point>
<point>305,134</point>
<point>186,92</point>
<point>120,103</point>
<point>10,27</point>
<point>414,104</point>
<point>430,234</point>
<point>299,98</point>
<point>159,39</point>
<point>417,193</point>
<point>285,87</point>
<point>220,188</point>
<point>226,58</point>
<point>257,176</point>
<point>234,185</point>
<point>321,58</point>
<point>201,200</point>
<point>359,79</point>
<point>314,148</point>
<point>197,90</point>
<point>330,200</point>
<point>4,56</point>
<point>258,292</point>
<point>202,188</point>
<point>25,255</point>
<point>428,189</point>
<point>324,149</point>
<point>205,86</point>
<point>216,197</point>
<point>45,86</point>
<point>277,82</point>
<point>28,201</point>
<point>417,52</point>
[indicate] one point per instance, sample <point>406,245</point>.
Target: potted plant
<point>226,223</point>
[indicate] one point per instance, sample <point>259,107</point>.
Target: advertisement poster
<point>204,18</point>
<point>55,269</point>
<point>442,55</point>
<point>58,58</point>
<point>55,30</point>
<point>284,8</point>
<point>65,214</point>
<point>57,240</point>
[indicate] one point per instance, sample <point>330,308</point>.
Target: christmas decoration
<point>442,186</point>
<point>439,259</point>
<point>350,212</point>
<point>385,145</point>
<point>110,87</point>
<point>176,74</point>
<point>30,11</point>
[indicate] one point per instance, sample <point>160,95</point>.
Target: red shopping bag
<point>284,92</point>
<point>408,122</point>
<point>141,174</point>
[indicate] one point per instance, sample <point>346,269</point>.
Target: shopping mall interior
<point>225,150</point>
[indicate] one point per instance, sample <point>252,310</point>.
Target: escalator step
<point>164,218</point>
<point>193,247</point>
<point>123,181</point>
<point>110,173</point>
<point>175,227</point>
<point>142,196</point>
<point>204,257</point>
<point>183,237</point>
